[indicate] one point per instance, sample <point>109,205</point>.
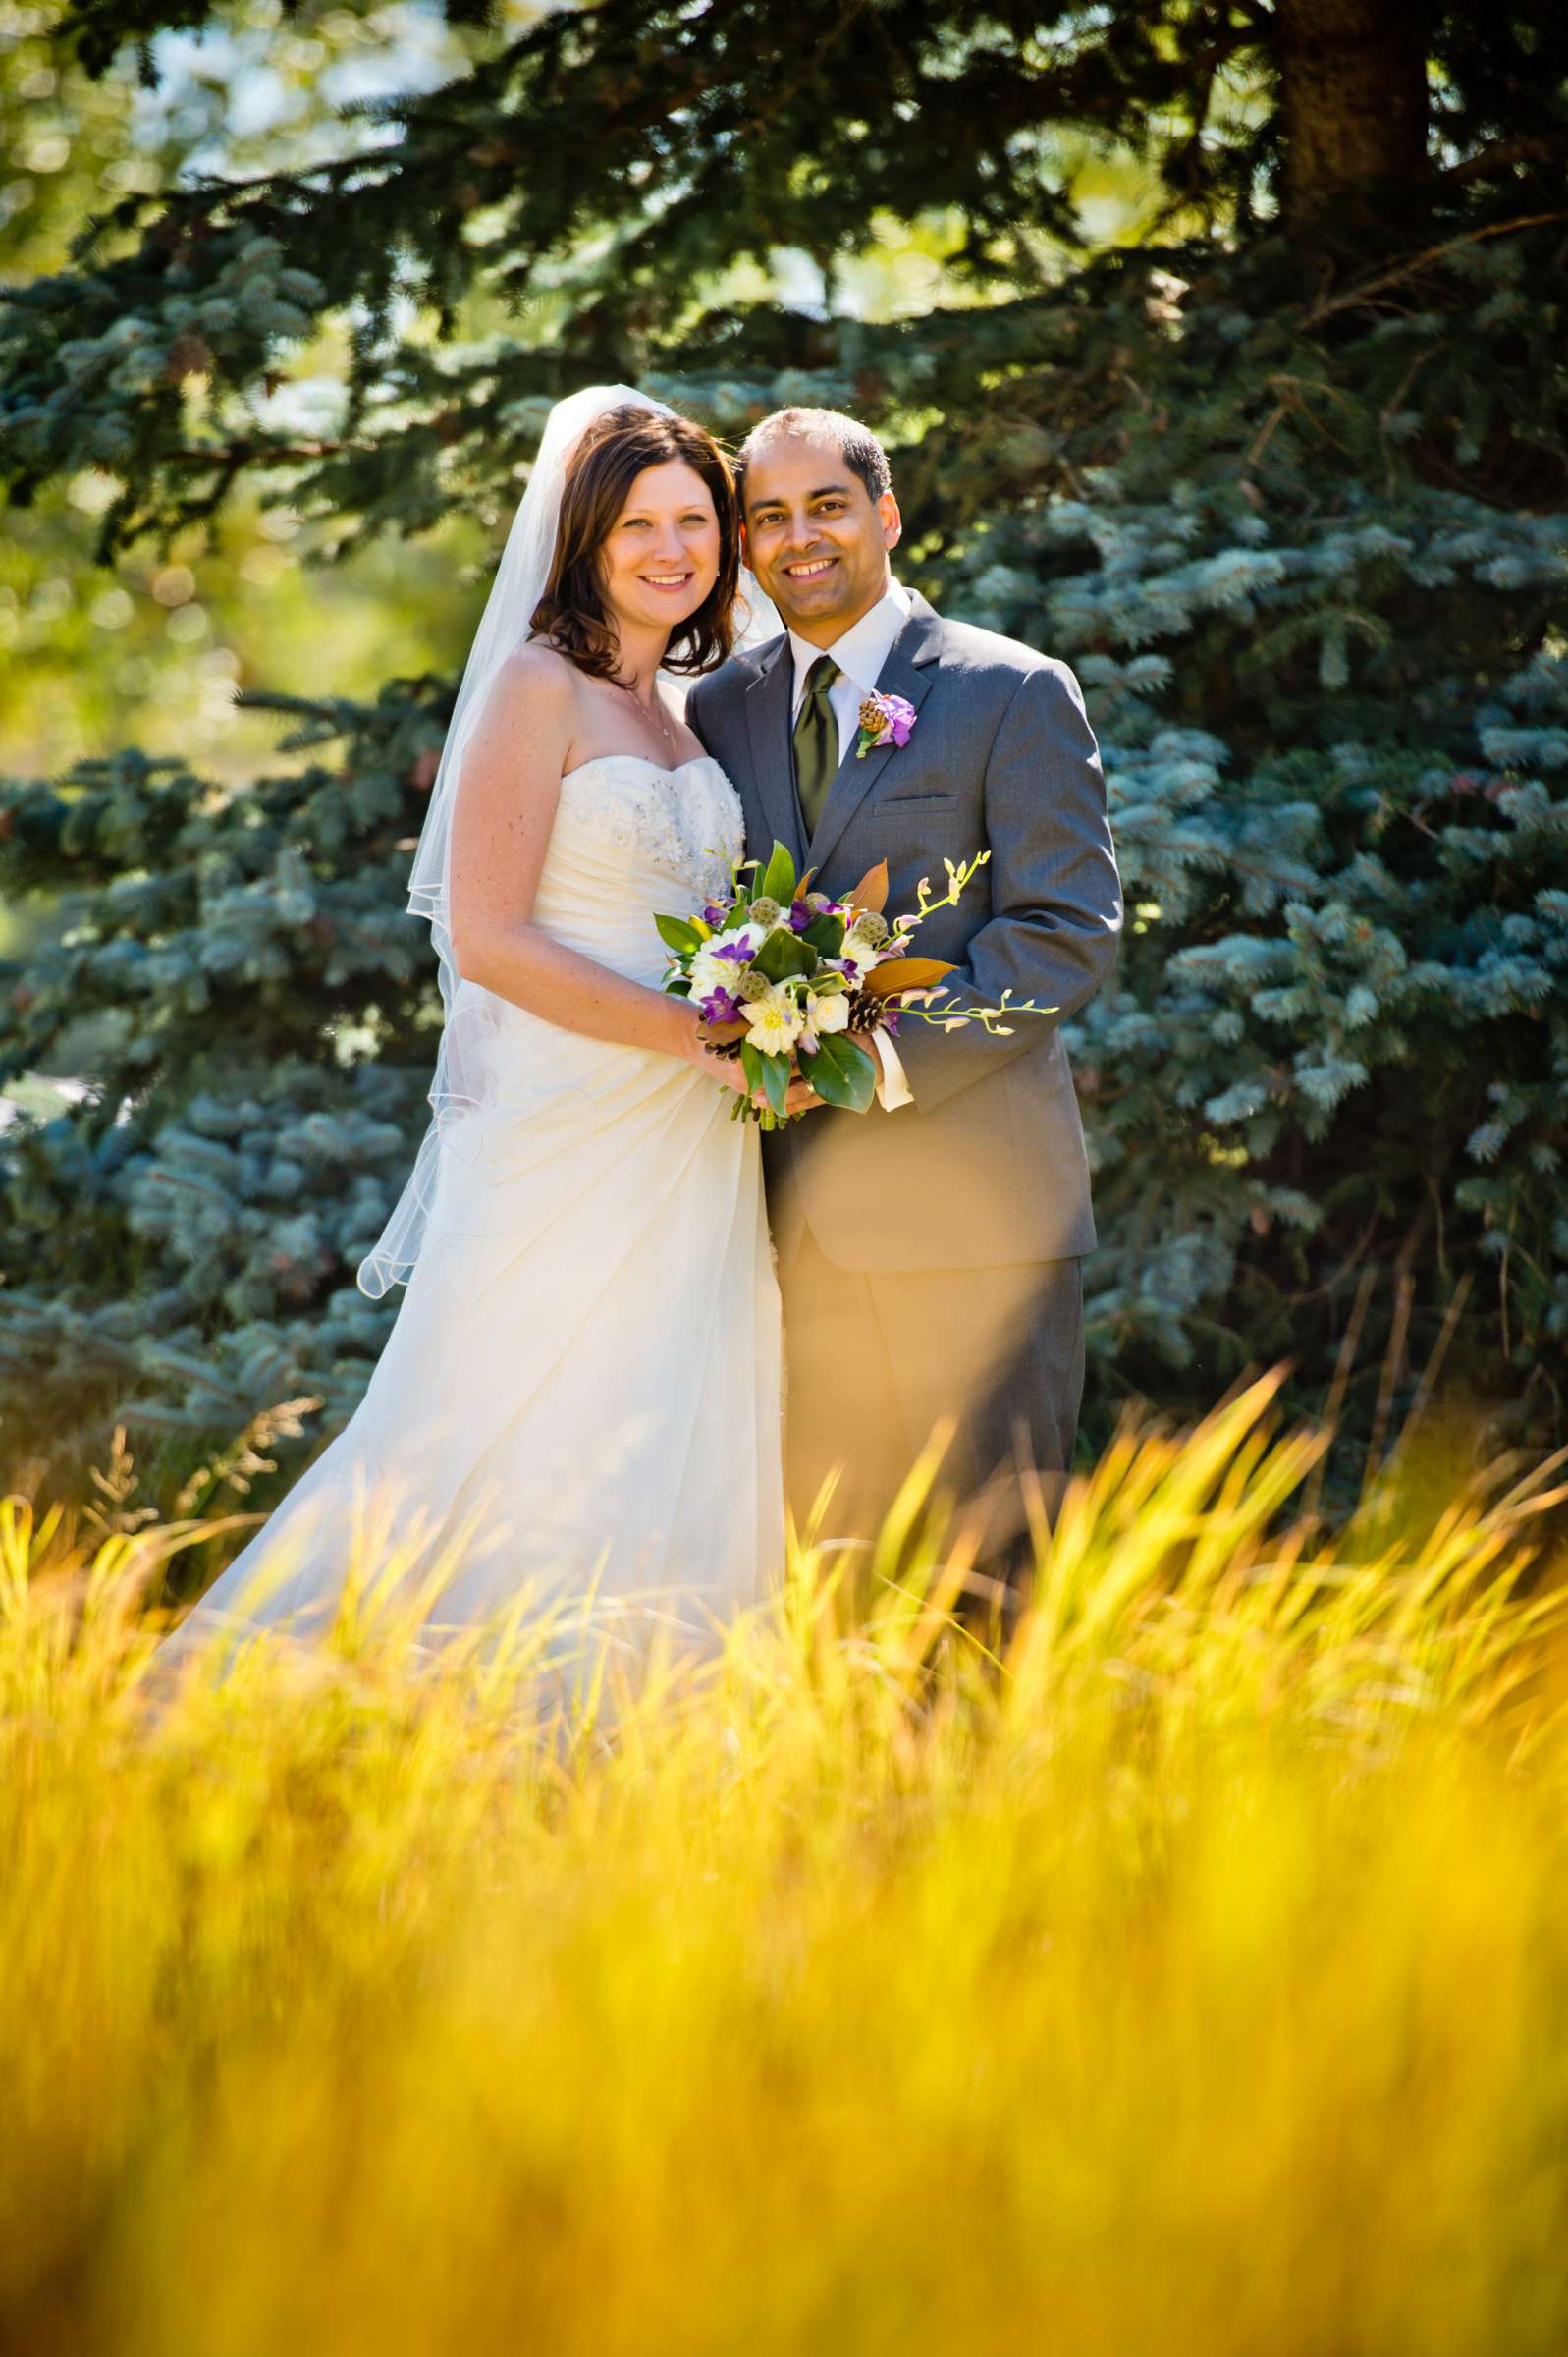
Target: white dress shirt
<point>860,654</point>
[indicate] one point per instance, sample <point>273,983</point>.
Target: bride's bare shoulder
<point>531,714</point>
<point>539,679</point>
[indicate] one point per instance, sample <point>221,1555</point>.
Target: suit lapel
<point>909,672</point>
<point>768,701</point>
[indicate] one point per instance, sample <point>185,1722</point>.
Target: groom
<point>930,1249</point>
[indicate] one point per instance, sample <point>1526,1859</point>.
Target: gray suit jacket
<point>988,1166</point>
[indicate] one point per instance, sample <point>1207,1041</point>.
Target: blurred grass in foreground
<point>1193,1977</point>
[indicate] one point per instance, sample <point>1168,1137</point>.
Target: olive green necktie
<point>816,741</point>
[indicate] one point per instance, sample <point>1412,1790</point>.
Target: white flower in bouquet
<point>720,961</point>
<point>864,944</point>
<point>830,1010</point>
<point>774,1022</point>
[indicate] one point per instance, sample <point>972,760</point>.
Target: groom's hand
<point>802,1097</point>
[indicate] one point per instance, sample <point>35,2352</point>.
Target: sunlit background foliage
<point>1219,356</point>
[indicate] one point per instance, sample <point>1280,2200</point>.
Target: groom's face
<point>815,538</point>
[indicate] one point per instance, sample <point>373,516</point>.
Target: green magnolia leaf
<point>775,1079</point>
<point>843,1074</point>
<point>778,876</point>
<point>826,935</point>
<point>751,1063</point>
<point>784,953</point>
<point>677,934</point>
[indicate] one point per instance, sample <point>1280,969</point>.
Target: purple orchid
<point>738,952</point>
<point>719,1007</point>
<point>800,917</point>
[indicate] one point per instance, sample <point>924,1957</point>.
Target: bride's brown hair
<point>572,616</point>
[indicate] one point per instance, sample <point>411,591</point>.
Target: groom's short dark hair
<point>855,444</point>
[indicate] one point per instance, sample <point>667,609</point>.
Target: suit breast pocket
<point>893,802</point>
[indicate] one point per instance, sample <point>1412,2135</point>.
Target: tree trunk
<point>1354,92</point>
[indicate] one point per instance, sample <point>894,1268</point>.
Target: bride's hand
<point>728,1070</point>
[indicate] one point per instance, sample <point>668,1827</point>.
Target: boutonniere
<point>884,720</point>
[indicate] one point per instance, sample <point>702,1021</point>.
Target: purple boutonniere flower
<point>884,720</point>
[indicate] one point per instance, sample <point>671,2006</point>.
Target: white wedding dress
<point>582,1390</point>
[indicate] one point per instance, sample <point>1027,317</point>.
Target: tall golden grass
<point>1185,1969</point>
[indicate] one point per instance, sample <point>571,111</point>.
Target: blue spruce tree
<point>1287,485</point>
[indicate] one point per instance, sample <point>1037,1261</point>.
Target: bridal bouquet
<point>790,979</point>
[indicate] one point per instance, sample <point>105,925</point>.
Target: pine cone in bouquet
<point>866,1011</point>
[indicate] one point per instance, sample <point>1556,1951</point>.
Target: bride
<point>581,1389</point>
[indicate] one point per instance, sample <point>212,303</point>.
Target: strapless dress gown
<point>582,1385</point>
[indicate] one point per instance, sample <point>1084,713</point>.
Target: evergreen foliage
<point>1288,487</point>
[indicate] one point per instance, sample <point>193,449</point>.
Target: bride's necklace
<point>656,713</point>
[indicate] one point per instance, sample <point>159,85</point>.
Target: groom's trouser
<point>874,1360</point>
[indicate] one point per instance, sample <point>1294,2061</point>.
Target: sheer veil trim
<point>518,586</point>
